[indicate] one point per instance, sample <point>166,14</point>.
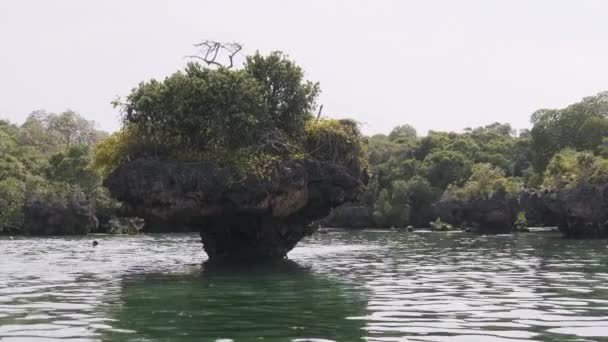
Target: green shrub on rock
<point>336,141</point>
<point>569,167</point>
<point>521,224</point>
<point>246,118</point>
<point>439,225</point>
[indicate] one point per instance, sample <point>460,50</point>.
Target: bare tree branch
<point>212,51</point>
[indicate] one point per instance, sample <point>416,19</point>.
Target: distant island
<point>244,155</point>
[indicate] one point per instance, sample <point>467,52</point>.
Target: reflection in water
<point>341,286</point>
<point>274,302</point>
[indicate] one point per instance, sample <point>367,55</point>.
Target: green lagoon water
<point>340,286</point>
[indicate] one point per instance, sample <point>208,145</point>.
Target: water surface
<point>341,286</point>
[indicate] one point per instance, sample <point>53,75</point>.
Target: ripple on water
<point>342,286</point>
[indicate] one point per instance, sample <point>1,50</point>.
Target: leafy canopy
<point>247,118</point>
<point>485,182</point>
<point>203,113</point>
<point>569,168</point>
<point>46,159</point>
<point>410,173</point>
<point>581,126</point>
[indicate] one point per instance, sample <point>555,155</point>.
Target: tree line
<point>46,162</point>
<point>264,112</point>
<point>411,173</point>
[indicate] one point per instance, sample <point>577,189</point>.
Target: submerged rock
<point>237,216</point>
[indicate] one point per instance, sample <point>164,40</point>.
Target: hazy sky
<point>441,65</point>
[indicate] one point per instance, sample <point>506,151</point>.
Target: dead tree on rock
<point>212,52</point>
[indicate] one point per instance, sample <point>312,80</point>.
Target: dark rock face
<point>237,217</point>
<point>542,208</point>
<point>495,215</point>
<point>580,212</point>
<point>55,217</point>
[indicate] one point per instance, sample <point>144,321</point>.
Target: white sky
<point>441,65</point>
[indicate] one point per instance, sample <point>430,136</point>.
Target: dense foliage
<point>486,181</point>
<point>46,161</point>
<point>256,114</point>
<point>336,141</point>
<point>580,126</point>
<point>247,118</point>
<point>569,168</point>
<point>410,173</point>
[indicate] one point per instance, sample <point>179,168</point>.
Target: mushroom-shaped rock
<point>239,216</point>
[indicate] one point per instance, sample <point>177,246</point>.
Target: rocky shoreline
<point>578,212</point>
<point>257,218</point>
<point>241,215</point>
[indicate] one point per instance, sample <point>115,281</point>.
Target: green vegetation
<point>439,225</point>
<point>485,182</point>
<point>336,141</point>
<point>409,173</point>
<point>125,225</point>
<point>263,112</point>
<point>12,198</point>
<point>246,118</point>
<point>45,162</point>
<point>521,224</point>
<point>582,126</point>
<point>569,168</point>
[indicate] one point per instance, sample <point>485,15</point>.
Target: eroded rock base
<point>242,236</point>
<point>238,216</point>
